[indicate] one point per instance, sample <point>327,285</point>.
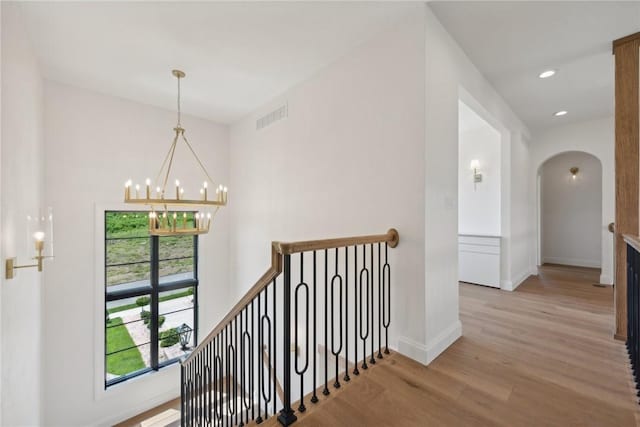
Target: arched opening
<point>570,210</point>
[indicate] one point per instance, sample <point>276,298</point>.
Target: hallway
<point>542,355</point>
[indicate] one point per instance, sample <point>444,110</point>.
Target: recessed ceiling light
<point>560,113</point>
<point>546,74</point>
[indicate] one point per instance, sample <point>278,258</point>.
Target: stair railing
<point>231,377</point>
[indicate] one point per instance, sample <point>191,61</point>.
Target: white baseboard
<point>439,344</point>
<point>577,262</point>
<point>413,349</point>
<point>426,354</point>
<point>606,280</point>
<point>510,286</point>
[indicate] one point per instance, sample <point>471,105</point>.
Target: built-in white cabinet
<point>479,259</point>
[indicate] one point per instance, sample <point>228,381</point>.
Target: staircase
<point>316,319</point>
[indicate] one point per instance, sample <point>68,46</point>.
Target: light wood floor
<point>541,356</point>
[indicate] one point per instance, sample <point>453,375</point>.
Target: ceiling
<point>237,55</point>
<point>512,42</point>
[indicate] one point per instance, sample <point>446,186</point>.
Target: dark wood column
<point>627,162</point>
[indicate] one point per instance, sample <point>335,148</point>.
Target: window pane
<point>125,251</point>
<point>129,308</point>
<point>176,309</point>
<point>131,276</point>
<point>127,342</point>
<point>177,269</point>
<point>126,224</point>
<point>175,247</point>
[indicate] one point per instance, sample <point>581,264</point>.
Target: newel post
<point>287,416</point>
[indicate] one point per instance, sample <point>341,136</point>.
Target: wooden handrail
<point>278,249</point>
<point>391,237</point>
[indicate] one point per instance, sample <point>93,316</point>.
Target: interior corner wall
<point>93,144</point>
<point>348,160</point>
<point>522,201</point>
<point>595,137</point>
<point>450,73</point>
<point>21,155</point>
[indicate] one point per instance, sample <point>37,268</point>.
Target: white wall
<point>521,262</point>
<point>450,76</point>
<point>348,160</point>
<point>595,137</point>
<point>94,143</point>
<point>478,203</point>
<point>21,194</point>
<point>571,210</point>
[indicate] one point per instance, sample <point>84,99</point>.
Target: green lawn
<point>124,362</point>
<point>123,225</point>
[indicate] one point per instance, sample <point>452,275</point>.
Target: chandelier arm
<point>197,158</point>
<point>172,150</point>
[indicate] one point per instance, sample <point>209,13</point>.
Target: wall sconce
<point>477,176</point>
<point>574,171</point>
<point>37,236</point>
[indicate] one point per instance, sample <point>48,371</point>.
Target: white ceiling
<point>237,55</point>
<point>512,42</point>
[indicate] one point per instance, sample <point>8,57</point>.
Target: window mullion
<point>155,284</point>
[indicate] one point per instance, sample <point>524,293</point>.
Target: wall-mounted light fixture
<point>37,236</point>
<point>475,166</point>
<point>574,171</point>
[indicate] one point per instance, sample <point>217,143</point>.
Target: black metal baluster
<point>364,336</point>
<point>314,398</point>
<point>275,347</point>
<point>355,310</point>
<point>326,326</point>
<point>229,415</point>
<point>198,391</point>
<point>334,351</point>
<point>301,371</point>
<point>251,367</point>
<point>246,358</point>
<point>346,314</point>
<point>371,310</point>
<point>287,416</point>
<point>267,396</point>
<point>242,368</point>
<point>235,369</point>
<point>386,304</point>
<point>379,304</point>
<point>260,360</point>
<point>182,395</point>
<point>216,379</point>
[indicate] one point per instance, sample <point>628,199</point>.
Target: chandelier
<point>171,214</point>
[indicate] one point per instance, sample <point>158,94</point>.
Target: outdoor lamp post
<point>185,335</point>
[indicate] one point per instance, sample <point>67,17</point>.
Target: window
<point>151,291</point>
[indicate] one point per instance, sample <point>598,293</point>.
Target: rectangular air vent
<point>277,114</point>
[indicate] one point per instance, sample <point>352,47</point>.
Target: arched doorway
<point>570,210</point>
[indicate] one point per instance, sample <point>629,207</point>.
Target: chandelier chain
<point>179,112</point>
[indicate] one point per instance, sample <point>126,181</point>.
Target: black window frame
<point>153,290</point>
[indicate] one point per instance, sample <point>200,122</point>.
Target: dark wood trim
<point>627,151</point>
<point>630,38</point>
